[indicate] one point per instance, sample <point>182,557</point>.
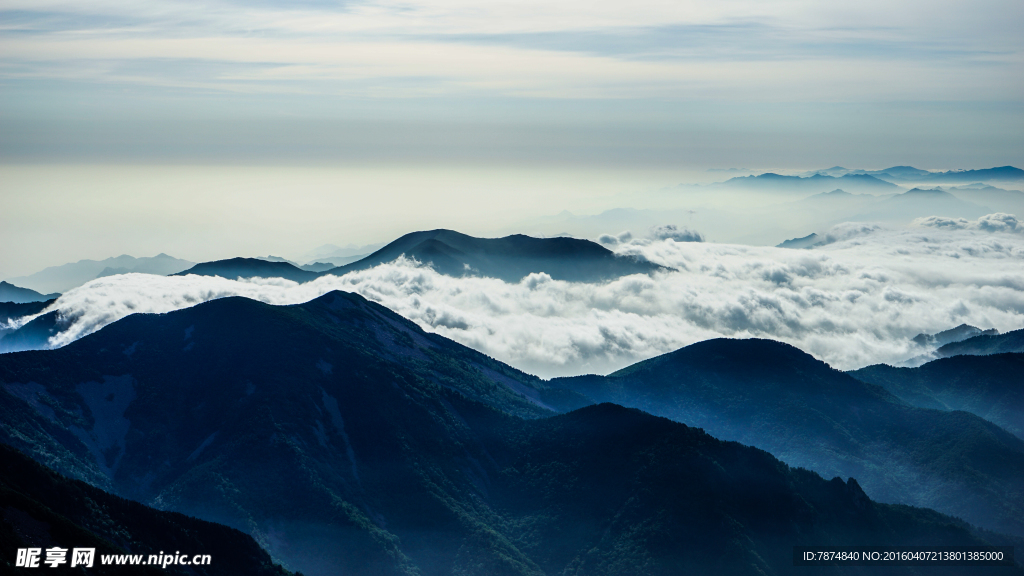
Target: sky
<point>213,129</point>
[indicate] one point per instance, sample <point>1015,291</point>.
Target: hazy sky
<point>427,94</point>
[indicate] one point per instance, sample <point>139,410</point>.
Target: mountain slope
<point>41,509</point>
<point>510,258</point>
<point>777,398</point>
<point>989,386</point>
<point>347,440</point>
<point>9,293</point>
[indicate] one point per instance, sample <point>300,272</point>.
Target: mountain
<point>11,311</point>
<point>35,334</point>
<point>984,344</point>
<point>777,398</point>
<point>958,334</point>
<point>1003,173</point>
<point>989,386</point>
<point>237,268</point>
<point>68,276</point>
<point>917,203</point>
<point>899,173</point>
<point>817,182</point>
<point>321,266</point>
<point>510,258</point>
<point>348,441</point>
<point>42,509</point>
<point>804,242</point>
<point>9,293</point>
<point>1008,201</point>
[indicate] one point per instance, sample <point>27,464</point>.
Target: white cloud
<point>851,303</point>
<point>998,222</point>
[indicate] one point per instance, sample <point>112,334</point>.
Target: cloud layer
<point>856,301</point>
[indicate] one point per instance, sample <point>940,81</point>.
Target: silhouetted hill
<point>41,509</point>
<point>348,441</point>
<point>9,293</point>
<point>237,268</point>
<point>985,344</point>
<point>773,396</point>
<point>11,311</point>
<point>990,386</point>
<point>510,258</point>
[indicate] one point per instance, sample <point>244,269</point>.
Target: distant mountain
<point>911,174</point>
<point>349,441</point>
<point>334,262</point>
<point>237,268</point>
<point>320,266</point>
<point>1000,200</point>
<point>1003,173</point>
<point>42,509</point>
<point>989,386</point>
<point>777,398</point>
<point>9,293</point>
<point>510,258</point>
<point>960,333</point>
<point>817,182</point>
<point>804,242</point>
<point>68,276</point>
<point>12,311</point>
<point>899,173</point>
<point>917,203</point>
<point>985,344</point>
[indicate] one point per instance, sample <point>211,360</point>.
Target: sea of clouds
<point>855,301</point>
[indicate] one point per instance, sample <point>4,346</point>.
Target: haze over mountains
<point>65,277</point>
<point>345,438</point>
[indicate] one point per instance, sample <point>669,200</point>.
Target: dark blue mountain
<point>16,295</point>
<point>773,396</point>
<point>348,441</point>
<point>985,344</point>
<point>510,258</point>
<point>12,311</point>
<point>990,386</point>
<point>238,268</point>
<point>35,334</point>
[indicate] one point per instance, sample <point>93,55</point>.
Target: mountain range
<point>989,386</point>
<point>816,182</point>
<point>510,258</point>
<point>65,277</point>
<point>345,439</point>
<point>911,174</point>
<point>11,294</point>
<point>777,398</point>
